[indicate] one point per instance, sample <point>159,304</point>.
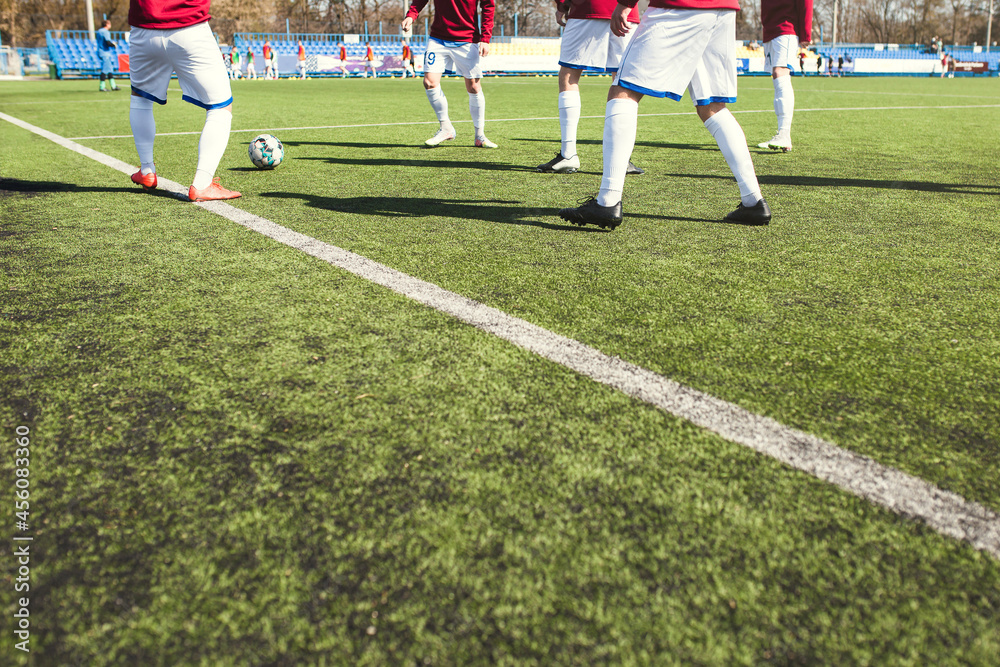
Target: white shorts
<point>782,51</point>
<point>589,44</point>
<point>678,49</point>
<point>191,52</point>
<point>451,57</point>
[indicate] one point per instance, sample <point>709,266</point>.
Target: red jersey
<point>343,52</point>
<point>167,14</point>
<point>787,17</point>
<point>302,52</point>
<point>369,54</point>
<point>407,55</point>
<point>267,51</point>
<point>687,4</point>
<point>597,9</point>
<point>456,20</point>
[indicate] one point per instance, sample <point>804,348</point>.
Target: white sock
<point>733,144</point>
<point>140,115</point>
<point>621,118</point>
<point>477,109</point>
<point>440,105</point>
<point>569,119</point>
<point>784,104</point>
<point>211,146</point>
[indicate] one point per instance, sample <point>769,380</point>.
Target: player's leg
<point>712,87</point>
<point>439,103</point>
<point>784,107</point>
<point>150,76</point>
<point>204,83</point>
<point>477,110</point>
<point>465,59</point>
<point>778,56</point>
<point>566,160</point>
<point>436,61</point>
<point>140,116</point>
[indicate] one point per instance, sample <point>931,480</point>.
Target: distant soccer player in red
<point>456,43</point>
<point>268,67</point>
<point>408,61</point>
<point>173,36</point>
<point>370,60</point>
<point>343,61</point>
<point>302,60</point>
<point>787,25</point>
<point>587,44</point>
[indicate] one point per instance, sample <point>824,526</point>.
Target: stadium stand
<point>321,48</point>
<point>74,54</point>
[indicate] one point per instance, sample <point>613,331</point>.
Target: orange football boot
<point>212,192</point>
<point>147,181</point>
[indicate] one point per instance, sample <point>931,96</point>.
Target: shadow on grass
<point>440,164</point>
<point>708,146</point>
<point>351,144</point>
<point>9,186</point>
<point>499,212</point>
<point>831,182</point>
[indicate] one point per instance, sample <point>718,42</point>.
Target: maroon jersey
<point>456,20</point>
<point>687,4</point>
<point>597,9</point>
<point>787,17</point>
<point>167,14</point>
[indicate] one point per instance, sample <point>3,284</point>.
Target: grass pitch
<point>241,455</point>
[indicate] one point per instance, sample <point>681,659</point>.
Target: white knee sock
<point>477,109</point>
<point>140,115</point>
<point>733,144</point>
<point>784,104</point>
<point>440,105</point>
<point>621,118</point>
<point>569,119</point>
<point>211,146</point>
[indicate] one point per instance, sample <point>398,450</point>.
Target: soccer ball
<point>266,152</point>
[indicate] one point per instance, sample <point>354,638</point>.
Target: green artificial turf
<point>242,455</point>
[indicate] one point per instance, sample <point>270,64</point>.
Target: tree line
<point>24,22</point>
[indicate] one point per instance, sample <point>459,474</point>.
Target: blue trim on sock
<point>710,100</point>
<point>649,91</point>
<point>207,107</point>
<point>143,93</point>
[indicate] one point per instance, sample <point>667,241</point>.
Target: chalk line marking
<point>906,495</point>
<point>542,118</point>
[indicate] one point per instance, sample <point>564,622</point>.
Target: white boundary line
<point>519,120</point>
<point>906,495</point>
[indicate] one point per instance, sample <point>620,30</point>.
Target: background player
<point>787,24</point>
<point>343,61</point>
<point>408,61</point>
<point>302,60</point>
<point>456,43</point>
<point>108,56</point>
<point>251,68</point>
<point>659,62</point>
<point>587,44</point>
<point>173,36</point>
<point>370,61</point>
<point>268,66</point>
<point>235,70</point>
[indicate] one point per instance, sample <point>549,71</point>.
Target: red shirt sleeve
<point>487,8</point>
